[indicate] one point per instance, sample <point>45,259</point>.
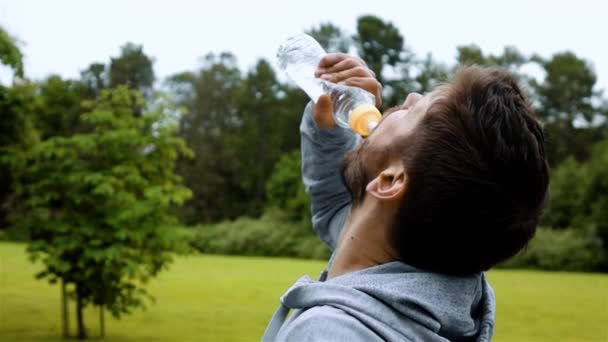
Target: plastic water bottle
<point>354,108</point>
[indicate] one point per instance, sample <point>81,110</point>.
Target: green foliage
<point>379,43</point>
<point>510,58</point>
<point>238,125</point>
<point>271,235</point>
<point>597,196</point>
<point>133,68</point>
<point>10,54</point>
<point>59,107</point>
<point>210,97</point>
<point>561,250</point>
<point>259,137</point>
<point>285,191</point>
<point>331,38</point>
<point>570,184</point>
<point>431,75</point>
<point>17,133</point>
<point>16,125</point>
<point>579,196</point>
<point>94,79</point>
<point>97,203</point>
<point>242,127</point>
<point>567,96</point>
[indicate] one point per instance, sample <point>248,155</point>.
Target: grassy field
<point>214,298</point>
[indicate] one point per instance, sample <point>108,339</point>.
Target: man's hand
<point>348,70</point>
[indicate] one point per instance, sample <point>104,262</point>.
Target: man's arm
<point>322,154</point>
<point>324,145</point>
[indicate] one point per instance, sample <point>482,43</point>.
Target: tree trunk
<point>79,308</point>
<point>102,322</point>
<point>65,329</point>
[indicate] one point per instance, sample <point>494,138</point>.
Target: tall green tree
<point>285,189</point>
<point>567,105</point>
<point>260,136</point>
<point>59,106</point>
<point>17,133</point>
<point>10,54</point>
<point>579,196</point>
<point>95,79</point>
<point>132,68</point>
<point>379,43</point>
<point>97,203</point>
<point>431,74</point>
<point>331,37</point>
<point>211,97</point>
<point>510,58</point>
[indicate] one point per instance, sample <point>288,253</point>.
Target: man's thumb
<point>322,112</point>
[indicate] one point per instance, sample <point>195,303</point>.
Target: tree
<point>470,54</point>
<point>331,38</point>
<point>566,97</point>
<point>238,126</point>
<point>260,135</point>
<point>94,79</point>
<point>510,59</point>
<point>133,68</point>
<point>379,44</point>
<point>579,195</point>
<point>17,133</point>
<point>414,75</point>
<point>431,74</point>
<point>382,47</point>
<point>597,197</point>
<point>97,203</point>
<point>285,189</point>
<point>10,55</point>
<point>211,99</point>
<point>59,107</point>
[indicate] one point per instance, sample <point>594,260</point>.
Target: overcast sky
<point>64,37</point>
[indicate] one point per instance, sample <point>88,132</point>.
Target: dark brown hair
<point>478,176</point>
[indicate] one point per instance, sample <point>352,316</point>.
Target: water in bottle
<point>354,107</point>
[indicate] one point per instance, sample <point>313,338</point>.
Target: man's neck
<point>364,243</point>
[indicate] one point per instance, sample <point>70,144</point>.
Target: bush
<point>270,235</point>
<point>285,191</point>
<point>561,250</point>
<point>579,198</point>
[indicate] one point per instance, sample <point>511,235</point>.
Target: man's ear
<point>390,185</point>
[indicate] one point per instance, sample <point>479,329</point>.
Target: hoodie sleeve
<point>326,323</point>
<point>322,154</point>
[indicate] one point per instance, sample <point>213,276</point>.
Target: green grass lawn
<point>216,298</point>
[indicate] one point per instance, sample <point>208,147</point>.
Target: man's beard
<point>353,176</point>
<point>359,167</point>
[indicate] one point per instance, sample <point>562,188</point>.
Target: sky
<point>64,36</point>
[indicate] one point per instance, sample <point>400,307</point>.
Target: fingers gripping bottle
<point>354,107</point>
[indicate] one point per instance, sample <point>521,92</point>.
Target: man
<point>448,185</point>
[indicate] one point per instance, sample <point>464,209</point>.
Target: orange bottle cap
<point>364,118</point>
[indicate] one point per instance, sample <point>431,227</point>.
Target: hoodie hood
<point>398,302</point>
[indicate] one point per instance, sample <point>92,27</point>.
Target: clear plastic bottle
<point>354,108</point>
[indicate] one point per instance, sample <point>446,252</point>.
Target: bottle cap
<point>364,118</point>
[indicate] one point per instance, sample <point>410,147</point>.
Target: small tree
<point>97,204</point>
<point>285,190</point>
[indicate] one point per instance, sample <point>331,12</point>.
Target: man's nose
<point>411,100</point>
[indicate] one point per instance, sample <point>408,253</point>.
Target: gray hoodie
<point>389,302</point>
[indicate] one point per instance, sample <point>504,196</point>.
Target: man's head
<point>461,172</point>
